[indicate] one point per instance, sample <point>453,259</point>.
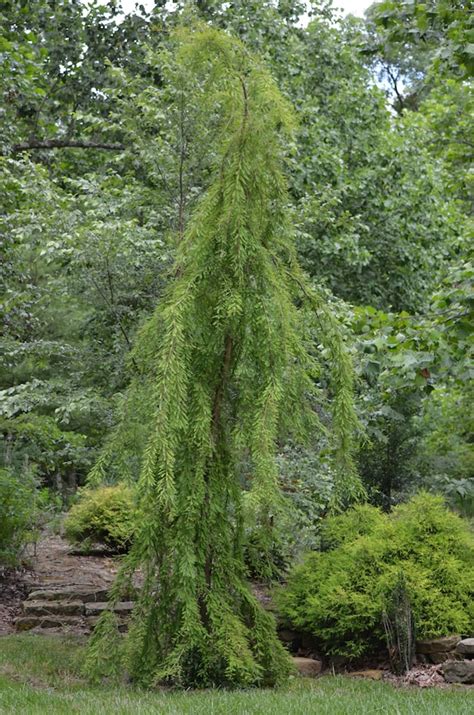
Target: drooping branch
<point>217,404</point>
<point>36,144</point>
<point>228,358</point>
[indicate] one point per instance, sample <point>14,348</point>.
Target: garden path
<point>51,563</point>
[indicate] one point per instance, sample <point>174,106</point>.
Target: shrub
<point>306,480</point>
<point>54,453</point>
<point>347,527</point>
<point>103,516</point>
<point>340,595</point>
<point>17,514</point>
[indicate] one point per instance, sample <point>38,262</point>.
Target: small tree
<point>230,369</point>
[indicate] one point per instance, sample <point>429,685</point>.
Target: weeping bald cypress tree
<point>228,369</point>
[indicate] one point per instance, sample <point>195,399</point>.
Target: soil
<point>12,593</point>
<point>52,563</point>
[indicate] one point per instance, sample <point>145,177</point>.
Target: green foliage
<point>414,376</point>
<point>340,529</point>
<point>307,480</point>
<point>111,145</point>
<point>18,512</point>
<point>380,247</point>
<point>441,29</point>
<point>399,627</point>
<point>228,372</point>
<point>89,234</point>
<point>36,440</point>
<point>444,119</point>
<point>446,454</point>
<point>340,595</point>
<point>55,55</point>
<point>102,517</point>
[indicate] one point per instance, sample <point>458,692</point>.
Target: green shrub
<point>346,527</point>
<point>340,595</point>
<point>53,453</point>
<point>103,516</point>
<point>306,480</point>
<point>17,514</point>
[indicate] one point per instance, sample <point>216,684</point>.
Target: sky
<point>356,7</point>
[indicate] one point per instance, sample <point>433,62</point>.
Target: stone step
<point>26,623</point>
<point>123,608</point>
<point>68,593</point>
<point>80,632</point>
<point>53,608</point>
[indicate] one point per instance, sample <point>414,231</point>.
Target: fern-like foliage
<point>224,368</point>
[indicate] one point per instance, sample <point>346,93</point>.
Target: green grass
<point>41,674</point>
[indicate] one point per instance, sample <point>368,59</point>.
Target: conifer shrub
<point>102,517</point>
<point>343,528</point>
<point>340,595</point>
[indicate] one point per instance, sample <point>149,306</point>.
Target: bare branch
<point>394,81</point>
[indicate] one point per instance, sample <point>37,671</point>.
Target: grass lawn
<point>42,674</point>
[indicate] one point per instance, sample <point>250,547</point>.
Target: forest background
<point>105,150</point>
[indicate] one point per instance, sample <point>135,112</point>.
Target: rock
<point>307,666</point>
<point>458,671</point>
<point>80,631</point>
<point>78,593</point>
<point>438,658</point>
<point>466,647</point>
<point>121,608</point>
<point>53,608</point>
<point>370,674</point>
<point>26,623</point>
<point>437,645</point>
<point>124,608</point>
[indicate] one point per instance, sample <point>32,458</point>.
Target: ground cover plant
<point>18,512</point>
